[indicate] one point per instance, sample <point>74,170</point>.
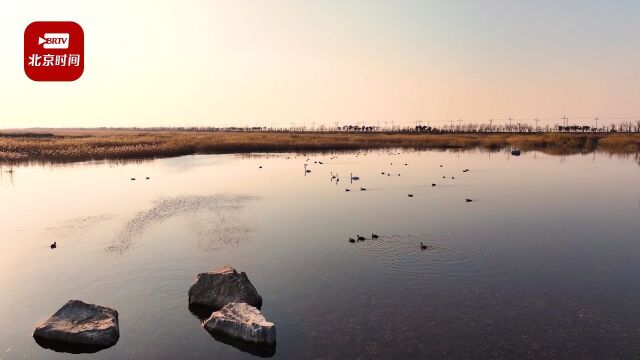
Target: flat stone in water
<point>242,321</point>
<point>77,323</point>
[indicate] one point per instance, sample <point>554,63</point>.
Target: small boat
<point>515,152</point>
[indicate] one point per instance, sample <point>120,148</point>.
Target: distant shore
<point>56,146</point>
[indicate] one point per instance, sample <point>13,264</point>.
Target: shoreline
<point>77,145</point>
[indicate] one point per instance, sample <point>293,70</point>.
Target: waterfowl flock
<point>334,176</point>
<point>361,238</point>
<point>352,177</point>
<point>422,246</point>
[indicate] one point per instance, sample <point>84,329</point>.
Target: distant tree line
<point>518,127</point>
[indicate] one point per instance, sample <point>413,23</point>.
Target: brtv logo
<point>54,41</point>
<point>53,51</point>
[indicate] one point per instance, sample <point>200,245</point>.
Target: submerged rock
<point>242,321</point>
<point>78,323</point>
<point>223,286</point>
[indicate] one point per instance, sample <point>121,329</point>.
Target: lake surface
<point>543,263</point>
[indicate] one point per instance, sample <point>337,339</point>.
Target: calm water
<point>544,263</point>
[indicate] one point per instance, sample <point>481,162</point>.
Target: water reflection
<point>188,162</point>
<point>260,350</point>
<point>63,347</point>
<point>6,176</point>
<point>543,264</point>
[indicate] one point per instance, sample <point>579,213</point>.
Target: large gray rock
<point>223,286</point>
<point>242,321</point>
<point>79,323</point>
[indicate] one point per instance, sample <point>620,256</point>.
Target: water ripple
<point>212,220</point>
<point>400,255</point>
<point>72,226</point>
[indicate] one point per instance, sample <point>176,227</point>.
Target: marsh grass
<point>82,145</point>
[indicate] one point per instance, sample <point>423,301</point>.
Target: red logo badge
<point>53,51</point>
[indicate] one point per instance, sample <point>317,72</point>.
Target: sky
<point>278,63</point>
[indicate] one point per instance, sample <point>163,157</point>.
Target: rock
<point>242,321</point>
<point>83,324</point>
<point>222,286</point>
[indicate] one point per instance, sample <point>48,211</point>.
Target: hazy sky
<point>182,63</point>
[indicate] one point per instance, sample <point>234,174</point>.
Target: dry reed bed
<point>82,145</point>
